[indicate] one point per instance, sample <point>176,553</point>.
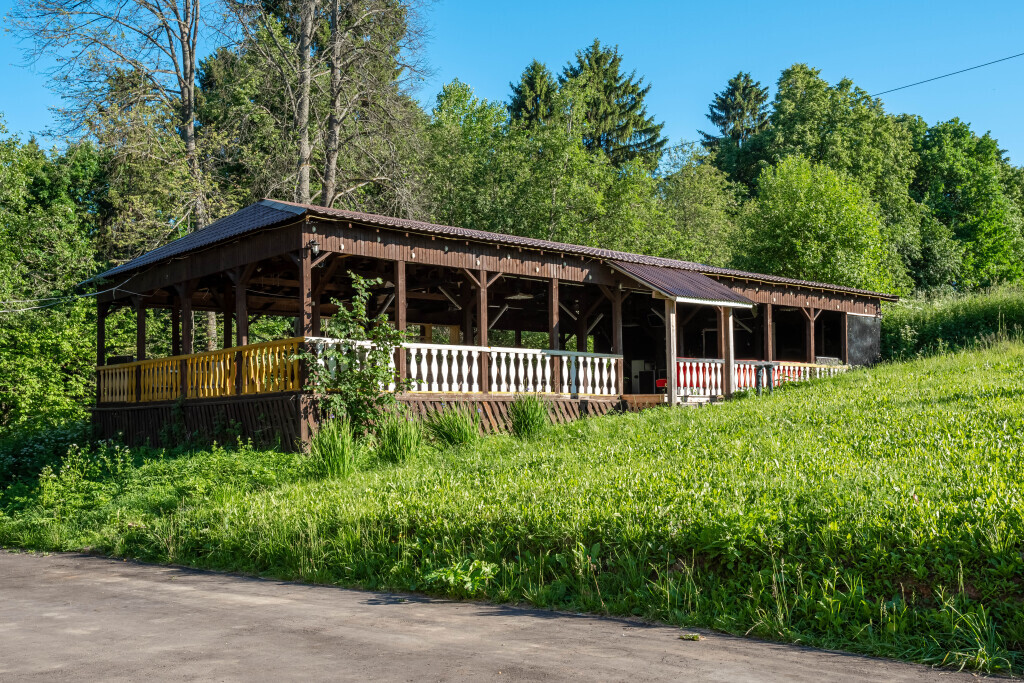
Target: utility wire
<point>953,73</point>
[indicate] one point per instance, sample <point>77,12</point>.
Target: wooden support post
<point>176,326</point>
<point>768,332</point>
<point>554,334</point>
<point>844,338</point>
<point>481,315</point>
<point>728,343</point>
<point>140,344</point>
<point>101,344</point>
<point>581,324</point>
<point>620,366</point>
<point>185,293</point>
<point>305,321</point>
<point>229,304</point>
<point>241,313</point>
<point>554,326</point>
<point>811,314</point>
<point>671,352</point>
<point>519,339</point>
<point>401,322</point>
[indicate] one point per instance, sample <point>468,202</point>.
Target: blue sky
<point>687,51</point>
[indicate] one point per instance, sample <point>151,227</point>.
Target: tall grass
<point>880,512</point>
<point>397,437</point>
<point>332,449</point>
<point>453,426</point>
<point>527,416</point>
<point>921,326</point>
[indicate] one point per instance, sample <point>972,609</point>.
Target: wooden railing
<point>274,367</point>
<point>268,367</point>
<point>702,377</point>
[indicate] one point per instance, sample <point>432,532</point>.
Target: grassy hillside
<point>921,326</point>
<point>880,512</point>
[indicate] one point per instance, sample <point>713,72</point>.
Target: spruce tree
<point>615,111</point>
<point>739,112</point>
<point>533,97</point>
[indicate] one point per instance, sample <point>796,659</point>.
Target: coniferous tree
<point>617,119</point>
<point>739,112</point>
<point>533,97</point>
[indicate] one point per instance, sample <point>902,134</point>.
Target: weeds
<point>453,426</point>
<point>332,450</point>
<point>398,437</point>
<point>528,416</point>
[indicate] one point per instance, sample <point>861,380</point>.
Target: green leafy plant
<point>332,449</point>
<point>398,436</point>
<point>527,416</point>
<point>351,370</point>
<point>453,426</point>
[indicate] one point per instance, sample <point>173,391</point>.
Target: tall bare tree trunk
<point>334,121</point>
<point>307,10</point>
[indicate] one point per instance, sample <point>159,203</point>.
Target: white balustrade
<point>593,374</point>
<point>703,376</point>
<point>447,368</point>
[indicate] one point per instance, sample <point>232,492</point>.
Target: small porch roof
<point>685,287</point>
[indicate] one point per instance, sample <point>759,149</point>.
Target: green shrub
<point>333,449</point>
<point>528,416</point>
<point>453,426</point>
<point>398,437</point>
<point>923,326</point>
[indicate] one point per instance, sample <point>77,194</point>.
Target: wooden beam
<point>305,267</point>
<point>729,346</point>
<point>769,334</point>
<point>325,277</point>
<point>176,327</point>
<point>581,323</point>
<point>617,323</point>
<point>472,278</point>
<point>482,325</point>
<point>844,338</point>
<point>140,330</point>
<point>401,311</point>
<point>811,316</point>
<point>671,352</point>
<point>229,305</point>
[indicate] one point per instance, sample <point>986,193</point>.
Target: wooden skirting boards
<point>276,420</point>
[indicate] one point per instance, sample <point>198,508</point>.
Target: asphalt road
<point>89,618</point>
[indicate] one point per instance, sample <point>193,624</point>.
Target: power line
<point>953,73</point>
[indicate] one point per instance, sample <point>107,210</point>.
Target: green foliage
<point>702,207</point>
<point>453,426</point>
<point>533,97</point>
<point>960,178</point>
<point>810,221</point>
<point>739,112</point>
<point>925,325</point>
<point>528,416</point>
<point>878,512</point>
<point>332,450</point>
<point>614,108</point>
<point>398,437</point>
<point>346,375</point>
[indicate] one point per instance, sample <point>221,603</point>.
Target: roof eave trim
<point>711,302</point>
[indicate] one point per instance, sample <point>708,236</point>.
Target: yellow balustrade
<point>161,379</point>
<point>211,374</point>
<point>267,367</point>
<point>271,366</point>
<point>117,383</point>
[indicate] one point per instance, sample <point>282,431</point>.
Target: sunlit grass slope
<point>879,512</point>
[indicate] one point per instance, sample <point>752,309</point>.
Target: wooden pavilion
<point>642,330</point>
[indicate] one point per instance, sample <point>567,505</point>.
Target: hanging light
<point>314,246</point>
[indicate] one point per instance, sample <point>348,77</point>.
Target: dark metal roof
<point>683,284</point>
<point>250,219</point>
<point>269,212</point>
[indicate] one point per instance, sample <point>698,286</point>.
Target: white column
<point>671,352</point>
